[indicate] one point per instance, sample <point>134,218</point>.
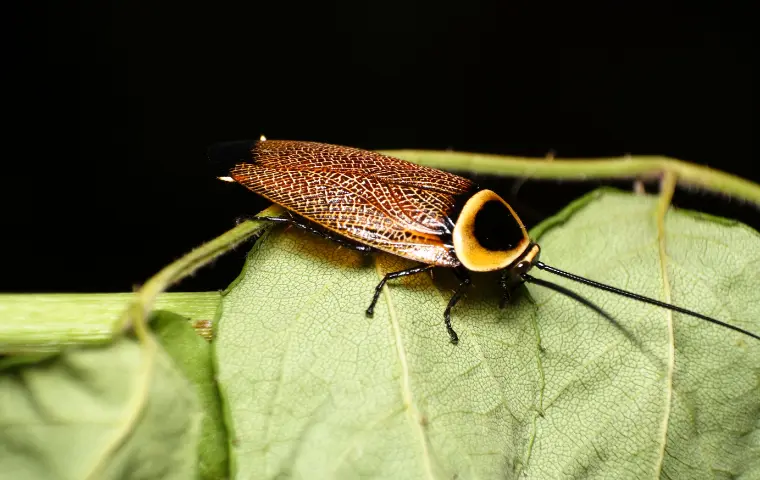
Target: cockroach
<point>368,201</point>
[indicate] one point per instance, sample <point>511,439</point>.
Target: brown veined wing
<point>381,201</point>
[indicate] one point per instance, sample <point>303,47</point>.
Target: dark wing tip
<point>225,155</point>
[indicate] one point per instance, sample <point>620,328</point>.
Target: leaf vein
<point>412,413</point>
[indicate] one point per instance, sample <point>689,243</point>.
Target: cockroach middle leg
<point>391,276</point>
<point>464,283</point>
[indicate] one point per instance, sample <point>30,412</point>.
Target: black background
<point>112,107</point>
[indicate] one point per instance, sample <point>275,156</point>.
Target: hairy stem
<point>646,167</point>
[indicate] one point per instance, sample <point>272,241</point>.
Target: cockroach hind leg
<point>391,276</point>
<point>378,289</point>
<point>371,309</point>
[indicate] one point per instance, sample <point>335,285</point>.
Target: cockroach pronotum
<point>368,201</point>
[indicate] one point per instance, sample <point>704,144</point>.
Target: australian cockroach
<point>368,201</point>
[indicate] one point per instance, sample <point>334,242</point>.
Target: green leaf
<point>86,414</point>
<point>545,387</point>
<point>192,355</point>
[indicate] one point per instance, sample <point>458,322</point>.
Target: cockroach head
<point>513,274</point>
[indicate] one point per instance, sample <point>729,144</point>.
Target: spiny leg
<point>506,297</point>
<point>509,282</point>
<point>464,279</point>
<point>391,276</point>
<point>307,226</point>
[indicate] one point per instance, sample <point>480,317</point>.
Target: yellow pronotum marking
<point>469,251</point>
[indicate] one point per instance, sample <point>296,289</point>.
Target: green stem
<point>50,321</point>
<point>646,167</point>
<point>189,263</point>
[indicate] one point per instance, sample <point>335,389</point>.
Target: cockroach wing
<point>381,201</point>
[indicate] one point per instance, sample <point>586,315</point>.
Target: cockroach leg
<point>464,279</point>
<point>509,281</point>
<point>307,226</point>
<point>391,276</point>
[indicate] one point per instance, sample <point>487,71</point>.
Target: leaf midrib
<point>412,414</point>
<point>661,211</point>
